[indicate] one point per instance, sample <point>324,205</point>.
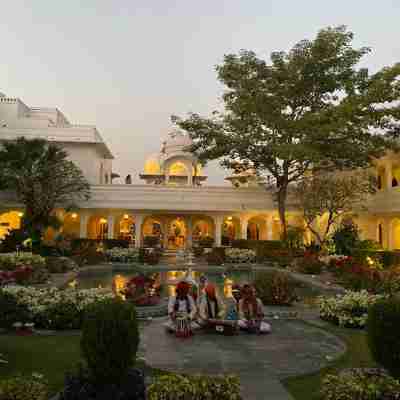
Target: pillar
<point>83,220</point>
<point>389,177</point>
<point>165,231</point>
<point>270,222</point>
<point>110,227</point>
<point>244,222</point>
<point>138,230</point>
<point>189,232</point>
<point>389,233</point>
<point>219,219</point>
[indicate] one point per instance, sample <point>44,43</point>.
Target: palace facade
<point>174,202</point>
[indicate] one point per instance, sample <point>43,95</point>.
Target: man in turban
<point>211,306</point>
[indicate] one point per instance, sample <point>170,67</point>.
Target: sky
<point>127,65</point>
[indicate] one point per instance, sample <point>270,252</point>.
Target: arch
<point>395,232</point>
<point>203,226</point>
<point>124,227</point>
<point>177,233</point>
<point>381,175</point>
<point>257,228</point>
<point>10,221</point>
<point>153,227</point>
<point>230,230</point>
<point>71,225</point>
<point>98,227</point>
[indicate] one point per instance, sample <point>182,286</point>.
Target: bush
<point>275,288</point>
<point>349,310</point>
<point>64,314</point>
<point>57,265</point>
<point>197,387</point>
<point>151,241</point>
<point>216,256</point>
<point>13,240</point>
<point>360,384</point>
<point>121,254</point>
<point>310,264</point>
<point>11,310</point>
<point>233,255</point>
<point>294,237</point>
<point>207,242</point>
<point>383,327</point>
<point>198,251</point>
<point>110,340</point>
<point>346,238</point>
<point>105,243</point>
<point>24,388</point>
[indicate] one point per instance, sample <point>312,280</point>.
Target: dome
<point>176,142</point>
<point>152,166</point>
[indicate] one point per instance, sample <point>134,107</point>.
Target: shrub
<point>360,384</point>
<point>197,387</point>
<point>198,251</point>
<point>294,237</point>
<point>151,241</point>
<point>207,242</point>
<point>24,388</point>
<point>234,255</point>
<point>121,254</point>
<point>216,256</point>
<point>346,238</point>
<point>57,265</point>
<point>349,310</point>
<point>310,264</point>
<point>275,288</point>
<point>383,327</point>
<point>64,314</point>
<point>13,240</point>
<point>110,340</point>
<point>11,310</point>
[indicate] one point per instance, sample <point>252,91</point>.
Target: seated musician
<point>211,306</point>
<point>251,312</point>
<point>181,308</point>
<point>233,304</point>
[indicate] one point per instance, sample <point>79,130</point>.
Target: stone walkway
<point>293,348</point>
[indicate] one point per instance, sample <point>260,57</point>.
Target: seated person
<point>211,306</point>
<point>251,312</point>
<point>181,308</point>
<point>233,304</point>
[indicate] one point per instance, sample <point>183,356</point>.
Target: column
<point>388,174</point>
<point>83,220</point>
<point>270,223</point>
<point>244,222</point>
<point>218,220</point>
<point>189,232</point>
<point>389,235</point>
<point>138,230</point>
<point>110,227</point>
<point>165,231</point>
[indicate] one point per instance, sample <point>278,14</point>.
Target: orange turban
<point>210,290</point>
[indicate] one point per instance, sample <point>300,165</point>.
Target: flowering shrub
<point>240,256</point>
<point>360,384</point>
<point>24,388</point>
<point>120,254</point>
<point>349,309</point>
<point>310,264</point>
<point>54,308</point>
<point>10,261</point>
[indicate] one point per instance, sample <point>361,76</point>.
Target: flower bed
<point>349,310</point>
<point>22,268</point>
<point>48,308</point>
<point>240,256</point>
<point>123,255</point>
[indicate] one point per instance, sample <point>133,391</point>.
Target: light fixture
<point>74,215</point>
<point>20,214</point>
<point>126,216</point>
<point>103,220</point>
<point>230,218</point>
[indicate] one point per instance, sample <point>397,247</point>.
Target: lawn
<point>307,387</point>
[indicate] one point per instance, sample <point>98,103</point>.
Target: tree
<point>42,178</point>
<point>332,196</point>
<point>310,109</point>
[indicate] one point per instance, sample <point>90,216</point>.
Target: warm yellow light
<point>20,214</point>
<point>74,215</point>
<point>229,218</point>
<point>126,216</point>
<point>370,261</point>
<point>103,220</point>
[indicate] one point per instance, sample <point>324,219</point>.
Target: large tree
<point>311,108</point>
<point>329,197</point>
<point>42,178</point>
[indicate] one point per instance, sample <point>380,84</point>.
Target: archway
<point>97,227</point>
<point>395,234</point>
<point>203,227</point>
<point>230,230</point>
<point>124,229</point>
<point>71,225</point>
<point>177,234</point>
<point>257,228</point>
<point>152,231</point>
<point>178,173</point>
<point>10,221</point>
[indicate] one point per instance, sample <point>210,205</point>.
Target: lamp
<point>74,215</point>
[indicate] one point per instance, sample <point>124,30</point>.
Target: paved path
<point>293,348</point>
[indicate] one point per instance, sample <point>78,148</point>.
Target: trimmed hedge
<point>108,243</point>
<point>385,257</point>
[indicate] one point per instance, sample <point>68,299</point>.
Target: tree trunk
<point>282,197</point>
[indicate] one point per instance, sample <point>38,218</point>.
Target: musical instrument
<point>183,325</point>
<point>223,326</point>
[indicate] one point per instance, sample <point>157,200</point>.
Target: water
<point>116,279</point>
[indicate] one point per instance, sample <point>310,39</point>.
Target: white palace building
<point>174,201</point>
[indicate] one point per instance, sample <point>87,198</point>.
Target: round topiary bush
<point>110,340</point>
<point>383,327</point>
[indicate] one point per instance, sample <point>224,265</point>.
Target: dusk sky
<point>127,65</point>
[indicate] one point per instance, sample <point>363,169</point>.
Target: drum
<point>223,327</point>
<point>183,326</point>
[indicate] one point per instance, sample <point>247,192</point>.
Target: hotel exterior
<point>174,201</point>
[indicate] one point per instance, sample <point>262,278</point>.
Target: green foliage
<point>275,288</point>
<point>360,384</point>
<point>12,311</point>
<point>151,241</point>
<point>61,315</point>
<point>216,256</point>
<point>309,264</point>
<point>383,327</point>
<point>42,177</point>
<point>294,237</point>
<point>110,340</point>
<point>206,242</point>
<point>24,388</point>
<point>265,249</point>
<point>197,387</point>
<point>306,124</point>
<point>346,238</point>
<point>13,240</point>
<point>198,251</point>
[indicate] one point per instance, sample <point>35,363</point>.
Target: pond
<point>117,279</point>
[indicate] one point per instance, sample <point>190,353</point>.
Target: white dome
<point>176,142</point>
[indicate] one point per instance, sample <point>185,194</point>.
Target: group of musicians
<point>190,311</point>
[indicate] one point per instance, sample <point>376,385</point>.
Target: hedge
<point>385,257</point>
<point>107,243</point>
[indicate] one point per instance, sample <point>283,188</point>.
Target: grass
<point>308,387</point>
